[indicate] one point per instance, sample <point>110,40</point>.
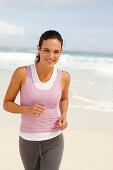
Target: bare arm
<point>12,91</point>
<point>64,98</point>
<point>62,122</point>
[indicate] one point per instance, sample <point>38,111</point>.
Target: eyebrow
<point>48,49</point>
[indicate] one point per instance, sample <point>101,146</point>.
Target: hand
<point>62,123</point>
<point>35,110</point>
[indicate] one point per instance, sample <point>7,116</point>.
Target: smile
<point>49,61</point>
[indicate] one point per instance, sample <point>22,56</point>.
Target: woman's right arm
<point>12,91</point>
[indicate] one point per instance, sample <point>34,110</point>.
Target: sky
<point>85,25</point>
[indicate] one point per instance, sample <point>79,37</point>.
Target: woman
<point>43,90</point>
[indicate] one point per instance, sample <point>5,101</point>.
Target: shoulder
<point>20,70</point>
<point>19,73</point>
<point>66,77</point>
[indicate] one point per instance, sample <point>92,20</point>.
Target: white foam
<point>16,56</point>
<point>97,108</point>
<point>74,106</point>
<point>82,70</point>
<point>83,99</point>
<point>99,64</point>
<point>97,105</point>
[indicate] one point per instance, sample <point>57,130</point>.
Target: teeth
<point>50,61</point>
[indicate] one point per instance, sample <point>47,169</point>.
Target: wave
<point>95,105</point>
<point>91,107</point>
<point>100,64</point>
<point>103,65</point>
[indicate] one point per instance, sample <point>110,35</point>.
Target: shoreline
<point>81,117</point>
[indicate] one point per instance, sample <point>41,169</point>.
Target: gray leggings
<point>42,155</point>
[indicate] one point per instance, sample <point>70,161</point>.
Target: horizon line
<point>64,50</point>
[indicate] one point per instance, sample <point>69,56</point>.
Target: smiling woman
<point>54,36</point>
<point>50,51</point>
<point>43,90</point>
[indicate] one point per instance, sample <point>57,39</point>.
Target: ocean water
<point>91,75</point>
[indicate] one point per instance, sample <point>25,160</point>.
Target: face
<point>50,52</point>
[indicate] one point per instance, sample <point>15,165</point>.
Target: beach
<point>85,147</point>
<point>89,135</point>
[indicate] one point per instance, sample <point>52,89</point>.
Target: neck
<point>42,70</point>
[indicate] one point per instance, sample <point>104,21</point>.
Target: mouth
<point>50,61</point>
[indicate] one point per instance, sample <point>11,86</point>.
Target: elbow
<point>4,105</point>
<point>7,106</point>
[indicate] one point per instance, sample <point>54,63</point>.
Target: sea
<point>91,75</point>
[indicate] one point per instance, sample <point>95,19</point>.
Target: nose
<point>51,55</point>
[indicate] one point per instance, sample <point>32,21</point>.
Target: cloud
<point>10,29</point>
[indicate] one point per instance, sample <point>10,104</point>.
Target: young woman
<point>43,90</point>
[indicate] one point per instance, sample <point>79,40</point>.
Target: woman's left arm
<point>62,122</point>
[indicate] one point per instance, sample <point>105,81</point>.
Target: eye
<point>56,51</point>
<point>45,50</point>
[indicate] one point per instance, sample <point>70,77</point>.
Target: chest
<point>41,79</point>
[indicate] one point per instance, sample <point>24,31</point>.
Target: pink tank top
<point>30,95</point>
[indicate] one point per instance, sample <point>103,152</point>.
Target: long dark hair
<point>51,34</point>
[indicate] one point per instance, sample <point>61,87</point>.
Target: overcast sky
<point>85,25</point>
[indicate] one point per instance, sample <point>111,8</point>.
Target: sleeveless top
<point>36,92</point>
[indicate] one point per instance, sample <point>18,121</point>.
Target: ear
<point>38,48</point>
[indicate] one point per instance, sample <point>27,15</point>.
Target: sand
<point>84,149</point>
